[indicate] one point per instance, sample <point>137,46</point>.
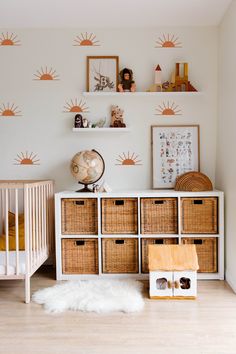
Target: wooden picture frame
<point>175,150</point>
<point>102,73</point>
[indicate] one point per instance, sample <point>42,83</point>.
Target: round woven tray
<point>193,182</point>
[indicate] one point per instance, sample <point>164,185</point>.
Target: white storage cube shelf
<point>219,274</point>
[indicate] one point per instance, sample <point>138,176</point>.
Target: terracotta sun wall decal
<point>76,106</point>
<point>168,41</point>
<point>168,109</point>
<point>46,74</point>
<point>7,39</point>
<point>85,40</point>
<point>27,159</point>
<point>9,110</point>
<point>128,159</point>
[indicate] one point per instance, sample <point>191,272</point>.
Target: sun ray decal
<point>9,39</point>
<point>76,106</point>
<point>46,74</point>
<point>9,110</point>
<point>168,41</point>
<point>168,109</point>
<point>27,159</point>
<point>85,40</point>
<point>128,159</point>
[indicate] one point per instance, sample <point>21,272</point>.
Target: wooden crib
<point>26,228</point>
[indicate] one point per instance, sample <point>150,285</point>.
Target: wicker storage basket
<point>153,241</point>
<point>79,256</point>
<point>119,255</point>
<point>79,216</point>
<point>119,216</point>
<point>159,216</point>
<point>206,248</point>
<point>199,215</point>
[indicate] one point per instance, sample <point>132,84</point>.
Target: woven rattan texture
<point>206,251</point>
<point>120,216</point>
<point>159,216</point>
<point>199,215</point>
<point>193,182</point>
<point>79,216</point>
<point>79,256</point>
<point>120,255</point>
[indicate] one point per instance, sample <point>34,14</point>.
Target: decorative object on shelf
<point>87,167</point>
<point>127,83</point>
<point>128,159</point>
<point>157,86</point>
<point>102,73</point>
<point>104,188</point>
<point>179,80</point>
<point>7,39</point>
<point>9,110</point>
<point>46,74</point>
<point>173,271</point>
<point>76,106</point>
<point>168,41</point>
<point>27,159</point>
<point>85,39</point>
<point>78,121</point>
<point>193,182</point>
<point>175,150</point>
<point>168,109</point>
<point>117,120</point>
<point>85,122</point>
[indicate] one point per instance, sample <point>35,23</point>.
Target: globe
<point>87,167</point>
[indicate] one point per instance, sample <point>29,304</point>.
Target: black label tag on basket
<point>79,243</point>
<point>159,242</point>
<point>198,242</point>
<point>119,202</point>
<point>159,201</point>
<point>198,201</point>
<point>79,202</point>
<point>120,242</point>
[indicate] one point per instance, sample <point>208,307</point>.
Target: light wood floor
<point>206,325</point>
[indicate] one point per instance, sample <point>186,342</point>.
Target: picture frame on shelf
<point>102,73</point>
<point>175,150</point>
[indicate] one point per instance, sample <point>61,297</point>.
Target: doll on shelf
<point>127,83</point>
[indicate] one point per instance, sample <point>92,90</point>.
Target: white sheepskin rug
<point>100,296</point>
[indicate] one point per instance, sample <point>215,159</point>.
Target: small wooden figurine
<point>127,83</point>
<point>117,120</point>
<point>158,78</point>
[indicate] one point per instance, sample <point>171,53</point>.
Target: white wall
<point>44,129</point>
<point>226,147</point>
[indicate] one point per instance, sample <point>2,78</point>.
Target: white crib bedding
<point>12,262</point>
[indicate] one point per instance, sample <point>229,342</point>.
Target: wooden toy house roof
<point>172,257</point>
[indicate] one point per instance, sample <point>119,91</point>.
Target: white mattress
<point>12,263</point>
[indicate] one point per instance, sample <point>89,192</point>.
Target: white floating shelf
<point>100,130</point>
<point>122,94</point>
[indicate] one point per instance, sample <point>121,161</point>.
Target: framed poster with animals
<point>175,150</point>
<point>102,73</point>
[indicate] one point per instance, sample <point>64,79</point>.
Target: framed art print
<point>102,73</point>
<point>175,150</point>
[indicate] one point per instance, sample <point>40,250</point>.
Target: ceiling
<point>110,13</point>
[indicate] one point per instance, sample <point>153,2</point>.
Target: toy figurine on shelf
<point>117,120</point>
<point>157,86</point>
<point>127,83</point>
<point>78,121</point>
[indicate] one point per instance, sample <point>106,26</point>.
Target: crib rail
<point>34,200</point>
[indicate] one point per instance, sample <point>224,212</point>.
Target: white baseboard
<point>231,281</point>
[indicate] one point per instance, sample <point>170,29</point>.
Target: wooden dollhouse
<point>173,271</point>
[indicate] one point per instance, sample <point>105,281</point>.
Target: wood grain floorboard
<point>202,326</point>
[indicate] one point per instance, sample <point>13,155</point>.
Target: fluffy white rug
<point>100,296</point>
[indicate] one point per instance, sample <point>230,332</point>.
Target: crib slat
<point>17,231</point>
<point>7,230</point>
<point>36,225</point>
